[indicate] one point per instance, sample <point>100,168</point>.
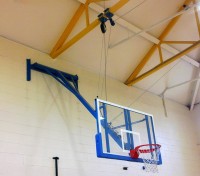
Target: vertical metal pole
<point>164,105</point>
<point>28,69</point>
<point>56,165</point>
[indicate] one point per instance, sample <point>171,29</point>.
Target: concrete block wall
<point>40,119</point>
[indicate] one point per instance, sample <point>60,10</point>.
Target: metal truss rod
<point>178,42</point>
<point>177,85</point>
<point>180,84</point>
<point>196,89</point>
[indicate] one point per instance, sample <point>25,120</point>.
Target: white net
<point>150,158</point>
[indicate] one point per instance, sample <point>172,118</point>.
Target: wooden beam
<point>153,48</point>
<point>118,5</point>
<point>68,29</point>
<point>173,21</point>
<point>141,64</point>
<point>75,38</point>
<point>160,53</point>
<point>178,42</point>
<point>85,31</point>
<point>185,58</point>
<point>87,16</point>
<point>163,64</point>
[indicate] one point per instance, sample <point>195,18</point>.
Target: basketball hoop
<point>149,153</point>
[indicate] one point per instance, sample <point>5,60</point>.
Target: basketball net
<point>150,154</point>
<point>150,159</point>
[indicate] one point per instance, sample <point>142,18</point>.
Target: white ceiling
<point>39,23</point>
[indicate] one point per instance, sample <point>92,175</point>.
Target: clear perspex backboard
<point>120,129</point>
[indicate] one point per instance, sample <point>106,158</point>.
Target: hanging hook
<point>109,15</point>
<point>103,17</point>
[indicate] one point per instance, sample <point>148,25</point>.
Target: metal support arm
<point>67,80</point>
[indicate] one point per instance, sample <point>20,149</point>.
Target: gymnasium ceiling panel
<point>139,24</point>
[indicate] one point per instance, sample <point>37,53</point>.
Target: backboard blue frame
<point>109,131</point>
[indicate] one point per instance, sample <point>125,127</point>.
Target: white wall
<point>40,120</point>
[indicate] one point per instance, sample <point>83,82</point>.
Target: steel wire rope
<point>105,66</point>
<point>106,52</point>
<point>105,55</point>
<point>106,49</point>
<point>147,90</point>
<point>102,47</point>
<point>138,5</point>
<point>99,79</point>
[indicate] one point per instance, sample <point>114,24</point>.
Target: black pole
<point>56,164</point>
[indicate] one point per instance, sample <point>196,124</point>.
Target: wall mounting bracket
<point>67,80</point>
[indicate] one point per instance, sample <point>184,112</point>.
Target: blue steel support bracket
<point>47,70</point>
<point>67,80</point>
